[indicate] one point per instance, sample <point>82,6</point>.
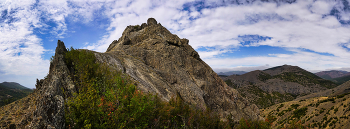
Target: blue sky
<point>228,34</point>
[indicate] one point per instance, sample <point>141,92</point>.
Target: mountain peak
<point>151,33</point>
<point>166,65</point>
<point>281,69</point>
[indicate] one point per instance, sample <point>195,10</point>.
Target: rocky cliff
<point>159,61</point>
<point>164,64</point>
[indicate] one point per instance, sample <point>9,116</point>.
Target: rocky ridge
<point>44,108</point>
<point>159,61</point>
<point>164,64</point>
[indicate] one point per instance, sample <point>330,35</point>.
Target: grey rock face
<point>49,111</point>
<point>151,21</point>
<point>164,64</point>
<point>50,106</point>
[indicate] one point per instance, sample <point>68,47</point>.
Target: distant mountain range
<point>337,76</point>
<point>12,91</point>
<point>232,73</point>
<point>277,84</point>
<point>332,74</point>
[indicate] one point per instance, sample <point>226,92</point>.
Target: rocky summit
<point>164,64</point>
<point>160,62</point>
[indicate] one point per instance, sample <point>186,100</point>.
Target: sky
<point>229,35</point>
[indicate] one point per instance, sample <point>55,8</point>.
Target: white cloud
<point>21,51</point>
<point>306,60</point>
<point>297,25</point>
<point>322,7</point>
<point>304,24</point>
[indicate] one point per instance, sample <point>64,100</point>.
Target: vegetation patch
<point>305,78</point>
<point>264,77</point>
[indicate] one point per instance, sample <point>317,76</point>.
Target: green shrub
<point>295,124</point>
<point>295,106</point>
<point>298,113</point>
<point>249,124</point>
<point>322,110</point>
<point>335,110</point>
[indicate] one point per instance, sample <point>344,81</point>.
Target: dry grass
<point>19,112</point>
<point>322,112</point>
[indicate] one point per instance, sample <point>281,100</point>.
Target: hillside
<point>339,77</point>
<point>341,80</point>
<point>11,91</point>
<point>339,90</point>
<point>332,74</point>
<point>149,78</point>
<point>319,112</point>
<point>277,84</point>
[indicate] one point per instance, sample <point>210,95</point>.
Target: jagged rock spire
<point>61,48</point>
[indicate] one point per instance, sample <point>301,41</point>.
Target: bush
<point>248,124</point>
<point>298,113</point>
<point>295,106</point>
<point>294,124</point>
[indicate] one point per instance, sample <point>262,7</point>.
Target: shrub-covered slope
<point>277,84</point>
<point>319,112</point>
<point>11,91</point>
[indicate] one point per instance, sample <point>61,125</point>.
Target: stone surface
<point>151,21</point>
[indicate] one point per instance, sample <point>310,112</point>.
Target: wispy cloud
<point>21,50</point>
<point>302,25</point>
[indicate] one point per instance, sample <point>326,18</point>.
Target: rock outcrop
<point>45,107</point>
<point>164,64</point>
<point>159,61</point>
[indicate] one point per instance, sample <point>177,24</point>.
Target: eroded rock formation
<point>165,64</point>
